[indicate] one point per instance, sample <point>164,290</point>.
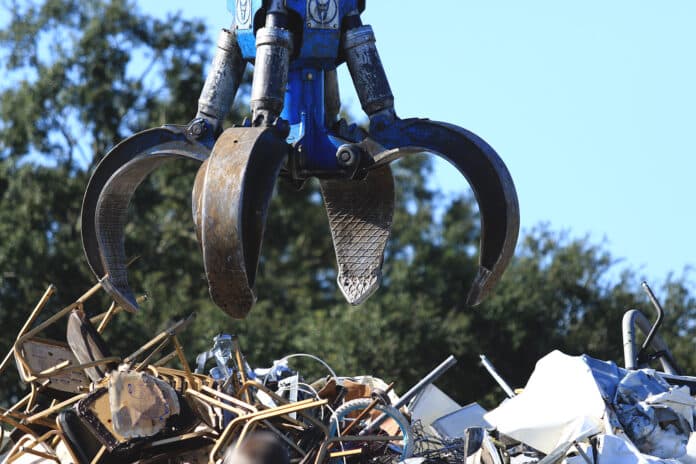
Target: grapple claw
<point>294,104</point>
<point>109,192</point>
<point>360,217</point>
<point>231,198</point>
<point>485,172</point>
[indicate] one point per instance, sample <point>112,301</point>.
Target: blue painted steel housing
<point>318,52</point>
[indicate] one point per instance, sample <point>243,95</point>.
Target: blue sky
<point>591,105</point>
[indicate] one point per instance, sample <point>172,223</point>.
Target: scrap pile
<point>580,410</point>
<point>87,405</point>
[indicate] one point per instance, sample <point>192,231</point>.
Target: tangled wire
<point>436,449</point>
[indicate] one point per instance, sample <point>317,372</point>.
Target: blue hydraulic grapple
<point>294,132</point>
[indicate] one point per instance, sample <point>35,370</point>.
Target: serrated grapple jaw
<point>294,133</point>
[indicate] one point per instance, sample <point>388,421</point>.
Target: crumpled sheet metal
<point>618,449</point>
<point>431,405</point>
<point>140,403</point>
<point>560,403</point>
<point>636,416</point>
<point>657,418</point>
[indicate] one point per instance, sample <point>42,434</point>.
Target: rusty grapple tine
<point>360,217</point>
<point>489,179</point>
<point>230,200</point>
<point>109,192</point>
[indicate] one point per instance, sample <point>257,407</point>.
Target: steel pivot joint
<point>294,133</point>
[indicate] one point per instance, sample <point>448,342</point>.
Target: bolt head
<point>347,156</point>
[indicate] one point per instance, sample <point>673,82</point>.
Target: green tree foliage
<point>80,76</point>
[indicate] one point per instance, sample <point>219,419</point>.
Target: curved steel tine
<point>231,197</point>
<point>488,177</point>
<point>109,192</point>
<point>197,199</point>
<point>360,217</point>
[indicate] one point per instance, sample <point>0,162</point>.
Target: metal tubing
<point>183,361</point>
<point>68,447</point>
<point>628,332</point>
<point>22,416</point>
<point>226,434</point>
<point>228,398</point>
<point>145,362</point>
<point>18,425</point>
<point>494,373</point>
<point>658,321</point>
<point>99,455</point>
<point>47,412</point>
<point>328,443</point>
<point>37,453</point>
<point>363,414</point>
<point>417,388</point>
<point>32,317</point>
<point>631,319</point>
<point>103,319</point>
<point>50,371</point>
<point>282,436</point>
<point>165,359</point>
<point>279,399</point>
<point>179,438</point>
<point>89,293</point>
<point>17,347</point>
<point>582,453</point>
<point>51,320</point>
<point>366,69</point>
<point>241,368</point>
<point>425,381</point>
<point>16,406</point>
<point>169,332</point>
<point>343,454</point>
<point>28,449</point>
<point>155,341</point>
<point>34,394</point>
<point>287,410</point>
<point>223,80</point>
<point>107,317</point>
<point>31,398</point>
<point>214,402</point>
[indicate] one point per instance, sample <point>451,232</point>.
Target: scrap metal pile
<point>580,410</point>
<point>87,405</point>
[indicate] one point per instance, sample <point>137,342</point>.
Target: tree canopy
<point>81,76</point>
